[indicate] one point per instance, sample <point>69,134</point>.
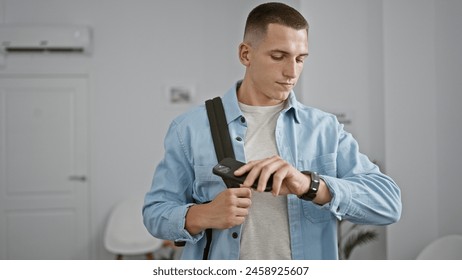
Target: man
<point>319,175</point>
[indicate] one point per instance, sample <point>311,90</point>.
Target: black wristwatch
<point>314,186</point>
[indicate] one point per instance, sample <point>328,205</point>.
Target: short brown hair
<point>261,16</point>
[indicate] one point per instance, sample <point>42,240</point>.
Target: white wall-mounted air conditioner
<point>43,39</point>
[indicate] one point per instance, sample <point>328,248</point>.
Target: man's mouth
<point>286,84</point>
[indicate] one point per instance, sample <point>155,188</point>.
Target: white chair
<point>445,248</point>
<point>125,232</point>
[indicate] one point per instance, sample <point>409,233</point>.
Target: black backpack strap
<point>208,235</point>
<point>219,128</point>
<point>222,143</point>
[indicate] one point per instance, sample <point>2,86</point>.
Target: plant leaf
<point>358,239</point>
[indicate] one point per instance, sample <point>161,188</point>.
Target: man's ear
<point>244,54</point>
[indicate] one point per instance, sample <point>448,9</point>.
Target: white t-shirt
<point>265,233</point>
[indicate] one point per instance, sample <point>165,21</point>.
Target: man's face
<point>275,63</point>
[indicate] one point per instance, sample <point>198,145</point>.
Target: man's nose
<point>290,69</point>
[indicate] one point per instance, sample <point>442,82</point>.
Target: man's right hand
<point>228,209</point>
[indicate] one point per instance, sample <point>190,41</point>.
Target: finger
<point>257,169</point>
<point>272,168</point>
<point>244,203</point>
<point>251,164</point>
<point>242,212</point>
<point>241,192</point>
<point>278,179</point>
<point>245,168</point>
<point>239,220</point>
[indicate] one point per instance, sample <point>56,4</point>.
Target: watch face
<point>308,196</point>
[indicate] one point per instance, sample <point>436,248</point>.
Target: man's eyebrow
<point>286,53</point>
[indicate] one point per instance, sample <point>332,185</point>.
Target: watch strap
<point>314,186</point>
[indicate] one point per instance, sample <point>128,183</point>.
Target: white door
<point>43,168</point>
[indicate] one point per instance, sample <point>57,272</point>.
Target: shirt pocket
<point>206,185</point>
<point>324,165</point>
<point>316,213</point>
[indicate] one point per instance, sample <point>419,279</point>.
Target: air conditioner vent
<point>43,50</point>
<point>45,39</point>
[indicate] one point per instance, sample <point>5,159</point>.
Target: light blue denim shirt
<point>307,138</point>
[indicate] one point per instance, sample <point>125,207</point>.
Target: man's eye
<point>276,57</point>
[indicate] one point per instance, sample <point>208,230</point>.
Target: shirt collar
<point>232,110</point>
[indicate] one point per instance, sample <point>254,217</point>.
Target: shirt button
<point>242,120</point>
<point>235,235</point>
<point>239,139</point>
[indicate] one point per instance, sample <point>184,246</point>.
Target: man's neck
<point>248,95</point>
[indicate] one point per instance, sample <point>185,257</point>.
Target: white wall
<point>422,43</point>
<point>448,93</point>
<point>411,121</point>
